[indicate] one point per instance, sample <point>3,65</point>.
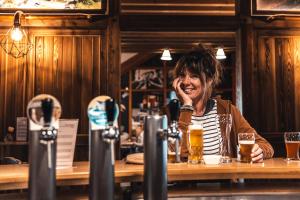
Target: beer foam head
<point>196,126</point>
<point>246,142</point>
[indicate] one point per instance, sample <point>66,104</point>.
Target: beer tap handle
<point>47,107</point>
<point>110,108</point>
<point>174,109</point>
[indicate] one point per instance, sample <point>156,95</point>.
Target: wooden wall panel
<point>267,82</point>
<point>68,67</point>
<point>297,82</point>
<point>279,84</point>
<point>285,83</point>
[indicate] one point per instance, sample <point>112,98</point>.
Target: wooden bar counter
<point>16,176</point>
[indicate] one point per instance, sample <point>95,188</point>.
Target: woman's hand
<point>186,100</point>
<point>257,154</point>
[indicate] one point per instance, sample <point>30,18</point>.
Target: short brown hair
<point>201,61</point>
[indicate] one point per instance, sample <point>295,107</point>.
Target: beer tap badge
<point>98,114</point>
<point>44,110</point>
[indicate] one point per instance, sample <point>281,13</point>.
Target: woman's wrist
<point>186,107</point>
<point>189,103</point>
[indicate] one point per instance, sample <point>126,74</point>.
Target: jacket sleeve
<point>183,123</point>
<point>242,126</point>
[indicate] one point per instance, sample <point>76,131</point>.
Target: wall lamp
<point>16,42</point>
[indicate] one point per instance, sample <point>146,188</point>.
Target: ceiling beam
<point>135,61</point>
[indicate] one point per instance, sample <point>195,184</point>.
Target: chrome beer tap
<point>43,112</point>
<point>155,157</point>
<point>103,113</point>
<point>174,134</point>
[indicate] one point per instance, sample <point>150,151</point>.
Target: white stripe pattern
<point>211,135</point>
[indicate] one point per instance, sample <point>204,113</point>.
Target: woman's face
<point>192,86</point>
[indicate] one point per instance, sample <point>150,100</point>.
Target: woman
<point>196,74</point>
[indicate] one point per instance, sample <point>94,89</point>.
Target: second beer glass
<point>292,142</point>
<point>246,143</point>
<point>195,143</point>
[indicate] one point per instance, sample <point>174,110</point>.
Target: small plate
<point>212,159</point>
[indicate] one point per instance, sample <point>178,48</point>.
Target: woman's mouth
<point>188,90</point>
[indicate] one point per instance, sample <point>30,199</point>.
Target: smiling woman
<point>196,73</point>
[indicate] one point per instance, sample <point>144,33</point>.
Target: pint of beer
<point>195,143</point>
<point>292,144</point>
<point>171,157</point>
<point>246,143</point>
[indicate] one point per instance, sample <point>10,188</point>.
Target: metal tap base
<point>42,179</point>
<point>101,168</point>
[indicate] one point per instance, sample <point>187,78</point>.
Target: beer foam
<point>246,142</point>
<point>196,126</point>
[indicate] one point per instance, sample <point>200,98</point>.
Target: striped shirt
<point>211,135</point>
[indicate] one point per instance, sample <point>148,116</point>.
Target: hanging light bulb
<point>220,54</point>
<point>16,34</point>
<point>166,55</point>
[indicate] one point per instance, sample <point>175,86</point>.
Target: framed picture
<point>273,7</point>
<point>54,6</point>
<point>147,79</point>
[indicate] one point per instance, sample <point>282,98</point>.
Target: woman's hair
<point>200,62</point>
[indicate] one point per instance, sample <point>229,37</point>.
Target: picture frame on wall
<point>275,7</point>
<point>147,79</point>
<point>54,6</point>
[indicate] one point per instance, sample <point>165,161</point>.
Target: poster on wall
<point>54,5</point>
<point>271,7</point>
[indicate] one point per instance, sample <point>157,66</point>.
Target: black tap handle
<point>110,108</point>
<point>47,108</point>
<point>174,109</point>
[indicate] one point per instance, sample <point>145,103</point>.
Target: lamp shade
<point>220,54</point>
<point>166,55</point>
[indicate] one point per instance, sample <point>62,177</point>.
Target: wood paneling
<point>67,67</point>
<point>277,84</point>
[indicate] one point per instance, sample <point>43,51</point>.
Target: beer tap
<point>155,157</point>
<point>102,112</point>
<point>43,112</point>
<point>173,132</point>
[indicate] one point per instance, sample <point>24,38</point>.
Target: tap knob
<point>47,108</point>
<point>111,112</point>
<point>174,109</point>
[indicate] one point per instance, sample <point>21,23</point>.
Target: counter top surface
<point>16,176</point>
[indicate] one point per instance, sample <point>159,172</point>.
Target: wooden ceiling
<point>147,42</point>
<point>148,26</point>
<point>178,7</point>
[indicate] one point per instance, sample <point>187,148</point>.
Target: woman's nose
<point>186,80</point>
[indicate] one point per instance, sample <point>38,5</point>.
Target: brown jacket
<point>239,125</point>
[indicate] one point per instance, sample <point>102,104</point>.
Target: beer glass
<point>172,153</point>
<point>246,143</point>
<point>292,141</point>
<point>225,122</point>
<point>195,143</point>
